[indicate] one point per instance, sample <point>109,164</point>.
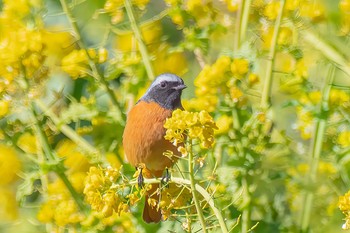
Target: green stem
<point>66,130</point>
<point>244,20</point>
<point>54,160</point>
<point>42,137</point>
<point>317,144</point>
<point>327,50</point>
<point>143,49</point>
<point>238,25</point>
<point>266,94</point>
<point>95,71</point>
<point>77,198</point>
<point>193,189</point>
<point>207,197</point>
<point>246,213</point>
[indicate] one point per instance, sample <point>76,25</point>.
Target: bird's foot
<point>140,179</point>
<point>166,178</point>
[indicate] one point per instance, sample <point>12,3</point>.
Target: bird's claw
<point>140,179</point>
<point>166,178</point>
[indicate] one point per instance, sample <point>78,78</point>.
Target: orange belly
<point>143,138</point>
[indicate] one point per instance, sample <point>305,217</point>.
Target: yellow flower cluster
<point>344,6</point>
<point>202,11</point>
<point>312,10</point>
<point>193,125</point>
<point>76,63</point>
<point>116,8</point>
<point>21,46</point>
<point>164,60</point>
<point>10,166</point>
<point>60,208</point>
<point>221,78</point>
<point>344,139</point>
<point>309,107</point>
<point>101,191</point>
<point>326,171</point>
<point>173,198</point>
<point>344,206</point>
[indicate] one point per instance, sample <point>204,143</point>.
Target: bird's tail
<point>152,213</point>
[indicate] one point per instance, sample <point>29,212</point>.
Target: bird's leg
<point>166,178</point>
<point>140,179</point>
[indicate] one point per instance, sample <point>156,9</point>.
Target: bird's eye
<point>163,84</point>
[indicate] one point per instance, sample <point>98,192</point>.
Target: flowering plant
<point>264,138</point>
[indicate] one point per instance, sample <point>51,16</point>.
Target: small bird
<point>143,137</point>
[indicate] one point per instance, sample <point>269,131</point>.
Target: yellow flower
<point>312,10</point>
<point>292,5</point>
<point>232,5</point>
<point>101,190</point>
<point>60,208</point>
<point>199,126</point>
<point>74,159</point>
<point>239,66</point>
<point>253,79</point>
<point>272,9</point>
<point>344,206</point>
<point>76,64</point>
<point>344,139</point>
<point>28,143</point>
<point>344,6</point>
<point>285,36</point>
<point>224,124</point>
<point>4,107</point>
<point>10,165</point>
<point>301,69</point>
<point>151,34</point>
<point>338,98</point>
<point>8,205</point>
<point>236,94</point>
<point>169,62</point>
<point>305,123</point>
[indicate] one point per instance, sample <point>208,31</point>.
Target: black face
<point>166,91</point>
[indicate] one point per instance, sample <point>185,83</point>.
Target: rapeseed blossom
<point>193,125</point>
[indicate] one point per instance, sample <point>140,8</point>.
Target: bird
<point>143,136</point>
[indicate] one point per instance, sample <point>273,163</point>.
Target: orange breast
<point>143,137</point>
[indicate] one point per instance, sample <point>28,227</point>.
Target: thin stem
<point>266,94</point>
<point>327,50</point>
<point>237,41</point>
<point>42,137</point>
<point>316,149</point>
<point>77,198</point>
<point>193,189</point>
<point>95,71</point>
<point>143,49</point>
<point>55,161</point>
<point>244,20</point>
<point>207,197</point>
<point>66,130</point>
<point>246,213</point>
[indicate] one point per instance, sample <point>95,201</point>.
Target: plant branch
<point>66,130</point>
<point>266,94</point>
<point>207,197</point>
<point>138,35</point>
<point>95,71</point>
<point>327,50</point>
<point>193,189</point>
<point>244,20</point>
<point>54,161</point>
<point>316,148</point>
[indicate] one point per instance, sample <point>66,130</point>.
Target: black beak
<point>180,87</point>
